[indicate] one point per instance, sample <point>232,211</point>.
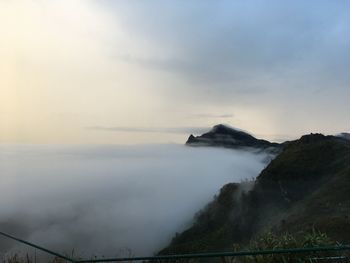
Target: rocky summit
<point>224,136</point>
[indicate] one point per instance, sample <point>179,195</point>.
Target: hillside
<point>223,136</point>
<point>305,187</point>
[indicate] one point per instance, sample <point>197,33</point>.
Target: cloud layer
<point>99,200</point>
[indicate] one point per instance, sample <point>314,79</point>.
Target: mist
<point>100,200</point>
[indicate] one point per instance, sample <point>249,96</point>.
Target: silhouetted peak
<point>224,129</point>
<point>225,136</point>
<point>312,137</point>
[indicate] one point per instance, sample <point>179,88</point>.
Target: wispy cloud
<point>212,116</point>
<point>289,50</point>
<point>178,130</point>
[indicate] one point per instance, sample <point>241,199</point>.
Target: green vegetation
<point>268,241</point>
<point>28,259</point>
<point>288,241</point>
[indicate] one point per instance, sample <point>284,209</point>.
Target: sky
<point>154,71</point>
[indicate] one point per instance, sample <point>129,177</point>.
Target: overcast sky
<point>154,71</point>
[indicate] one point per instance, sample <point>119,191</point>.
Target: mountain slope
<point>306,186</point>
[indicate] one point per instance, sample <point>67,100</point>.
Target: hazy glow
<point>59,76</point>
<point>68,65</point>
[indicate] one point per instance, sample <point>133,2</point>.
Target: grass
<point>266,241</point>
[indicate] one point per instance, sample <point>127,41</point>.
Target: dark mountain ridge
<point>223,136</point>
<point>307,186</point>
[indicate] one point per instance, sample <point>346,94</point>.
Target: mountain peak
<point>223,128</point>
<point>312,137</point>
<point>225,136</point>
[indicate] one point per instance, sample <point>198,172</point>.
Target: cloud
<point>344,135</point>
<point>214,116</point>
<point>98,200</point>
<point>117,62</point>
<point>177,130</point>
<point>243,46</point>
<point>192,71</point>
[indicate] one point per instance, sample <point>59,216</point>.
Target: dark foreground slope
<point>307,186</point>
<point>223,136</point>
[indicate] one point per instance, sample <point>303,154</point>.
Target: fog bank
<point>98,200</point>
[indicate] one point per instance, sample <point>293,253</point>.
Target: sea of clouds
<point>105,200</point>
